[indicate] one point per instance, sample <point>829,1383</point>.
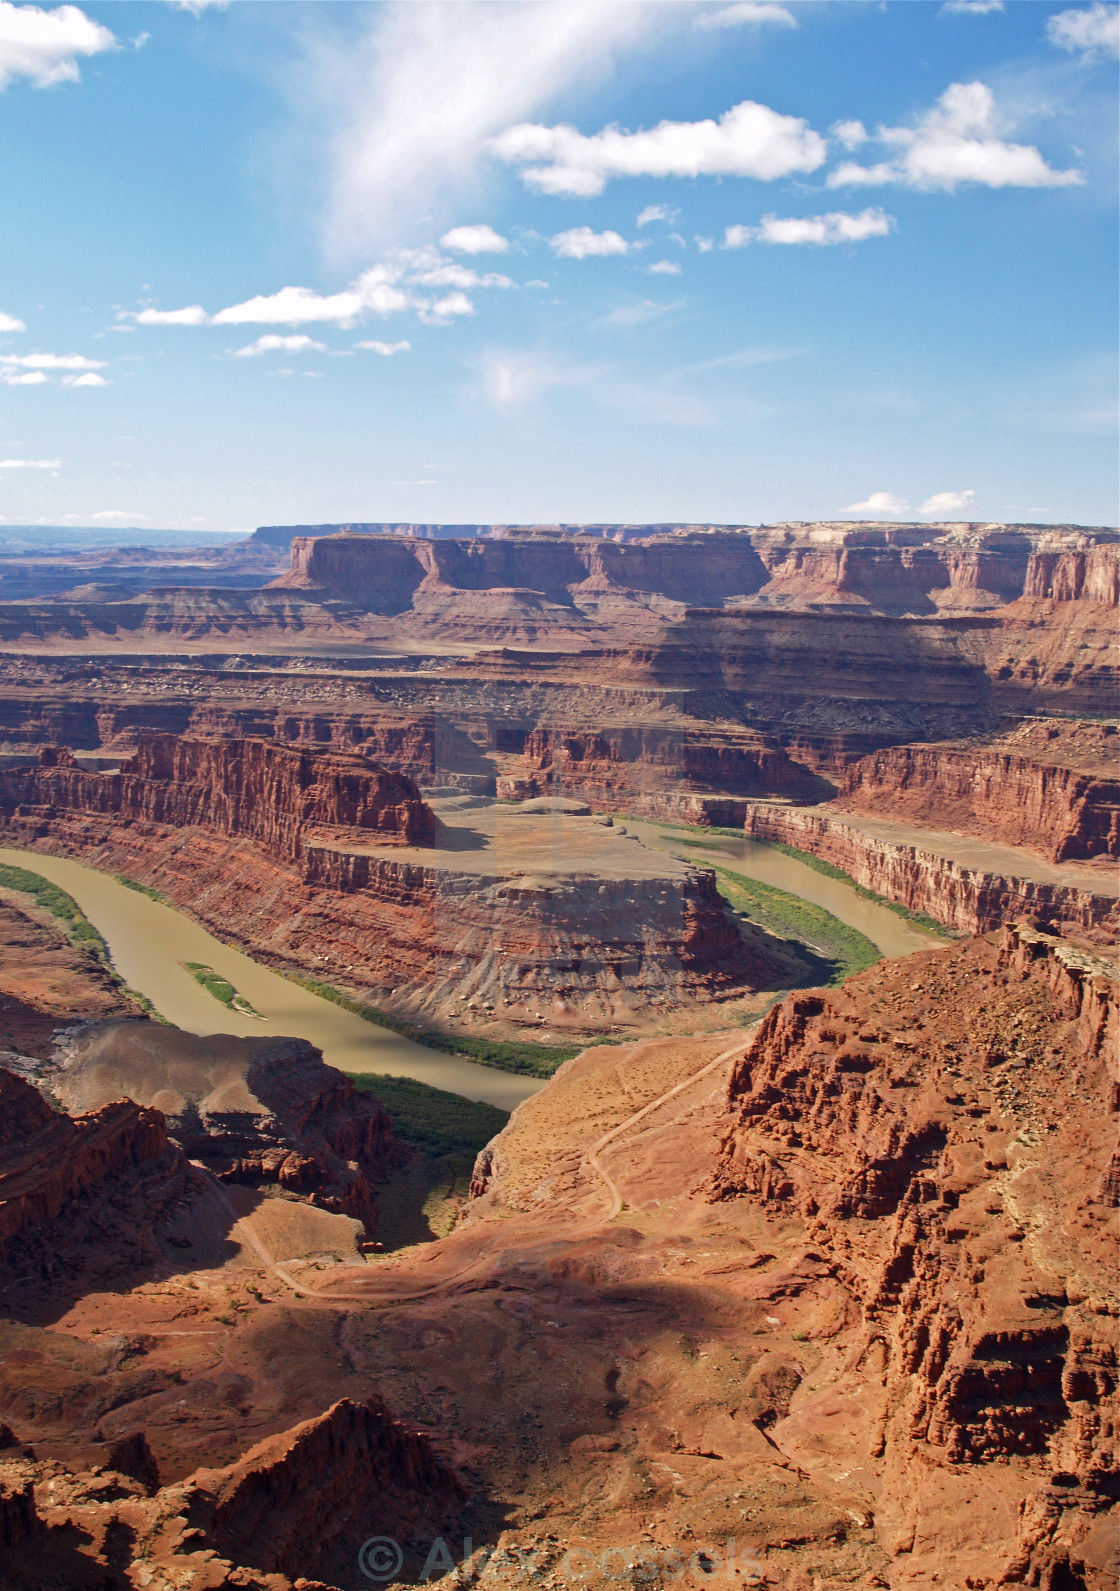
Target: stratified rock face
<point>1066,806</point>
<point>80,1195</point>
<point>274,794</point>
<point>254,1111</point>
<point>946,1125</point>
<point>970,899</point>
<point>660,772</point>
<point>296,1505</point>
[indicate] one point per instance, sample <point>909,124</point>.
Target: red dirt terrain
<point>841,1292</point>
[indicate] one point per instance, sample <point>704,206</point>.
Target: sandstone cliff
<point>81,1195</point>
<point>1000,791</point>
<point>952,1169</point>
<point>294,1506</point>
<point>253,1111</point>
<point>969,899</point>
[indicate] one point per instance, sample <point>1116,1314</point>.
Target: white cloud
<point>942,503</point>
<point>747,13</point>
<point>638,314</point>
<point>52,361</point>
<point>293,306</point>
<point>879,503</point>
<point>474,240</point>
<point>749,140</point>
<point>453,275</point>
<point>21,378</point>
<point>955,142</point>
<point>30,464</point>
<point>196,7</point>
<point>10,323</point>
<point>120,513</point>
<point>850,134</point>
<point>193,315</point>
<point>972,8</point>
<point>838,226</point>
<point>1094,31</point>
<point>271,343</point>
<point>387,350</point>
<point>90,379</point>
<point>44,46</point>
<point>658,212</point>
<point>512,378</point>
<point>665,268</point>
<point>410,104</point>
<point>444,310</point>
<point>581,242</point>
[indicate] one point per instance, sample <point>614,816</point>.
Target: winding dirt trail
<point>321,1296</point>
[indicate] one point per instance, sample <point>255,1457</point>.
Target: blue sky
<point>285,262</point>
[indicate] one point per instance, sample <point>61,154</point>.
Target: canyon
<point>808,1287</point>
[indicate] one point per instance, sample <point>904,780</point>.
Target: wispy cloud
<point>749,140</point>
<point>271,343</point>
<point>192,315</point>
<point>45,46</point>
<point>512,378</point>
<point>956,142</point>
<point>658,212</point>
<point>747,13</point>
<point>30,464</point>
<point>664,268</point>
<point>386,350</point>
<point>639,314</point>
<point>971,8</point>
<point>411,101</point>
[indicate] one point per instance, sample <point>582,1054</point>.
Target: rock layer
<point>969,899</point>
<point>999,790</point>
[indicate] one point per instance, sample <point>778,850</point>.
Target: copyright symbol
<point>380,1558</point>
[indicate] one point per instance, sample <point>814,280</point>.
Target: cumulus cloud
<point>879,503</point>
<point>942,503</point>
<point>665,268</point>
<point>44,46</point>
<point>838,226</point>
<point>474,240</point>
<point>954,143</point>
<point>749,140</point>
<point>747,13</point>
<point>90,379</point>
<point>410,103</point>
<point>294,306</point>
<point>851,134</point>
<point>581,242</point>
<point>386,350</point>
<point>10,323</point>
<point>192,315</point>
<point>1094,31</point>
<point>21,378</point>
<point>271,343</point>
<point>30,464</point>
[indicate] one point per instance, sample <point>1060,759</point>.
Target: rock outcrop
<point>1023,789</point>
<point>950,1166</point>
<point>295,1507</point>
<point>81,1195</point>
<point>258,1112</point>
<point>276,795</point>
<point>971,899</point>
<point>690,775</point>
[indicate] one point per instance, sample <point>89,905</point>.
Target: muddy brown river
<point>148,941</point>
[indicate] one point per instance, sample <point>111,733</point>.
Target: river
<point>148,940</point>
<point>887,931</point>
